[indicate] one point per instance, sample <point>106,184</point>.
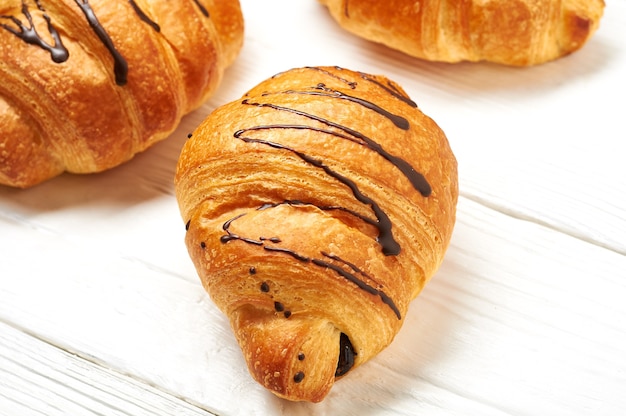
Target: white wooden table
<point>101,311</point>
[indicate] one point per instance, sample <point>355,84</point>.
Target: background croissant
<point>86,85</point>
<point>317,207</point>
<point>512,32</point>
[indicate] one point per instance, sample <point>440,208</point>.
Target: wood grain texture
<point>39,378</point>
<point>525,317</point>
<point>502,328</point>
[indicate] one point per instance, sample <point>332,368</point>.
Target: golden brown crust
<point>81,111</point>
<point>515,32</point>
<point>310,223</point>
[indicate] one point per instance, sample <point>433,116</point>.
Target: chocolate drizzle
<point>344,269</point>
<point>203,9</point>
<point>323,208</point>
<point>325,262</point>
<point>322,90</point>
<point>418,180</point>
<point>385,236</point>
<point>298,377</point>
<point>144,17</point>
<point>390,88</point>
<point>58,52</point>
<point>351,84</point>
<point>29,34</point>
<point>120,66</point>
<point>360,283</point>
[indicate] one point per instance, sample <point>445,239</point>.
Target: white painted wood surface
<point>102,313</point>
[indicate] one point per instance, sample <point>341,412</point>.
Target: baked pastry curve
<point>88,84</point>
<point>511,32</point>
<point>316,207</point>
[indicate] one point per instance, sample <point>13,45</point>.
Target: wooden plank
<point>520,319</point>
<point>37,378</point>
<point>526,315</point>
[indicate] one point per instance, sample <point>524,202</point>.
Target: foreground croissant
<point>317,207</point>
<point>511,32</point>
<point>88,84</point>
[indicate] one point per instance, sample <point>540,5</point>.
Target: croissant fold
<point>86,85</point>
<point>511,32</point>
<point>317,206</point>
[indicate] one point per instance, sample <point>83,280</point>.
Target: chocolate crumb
<point>298,377</point>
<point>279,306</point>
<point>187,225</point>
<point>287,314</point>
<point>203,245</point>
<point>301,356</point>
<point>265,287</point>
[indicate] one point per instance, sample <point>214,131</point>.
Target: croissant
<point>88,84</point>
<point>316,207</point>
<point>511,32</point>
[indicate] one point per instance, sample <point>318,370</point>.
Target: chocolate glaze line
<point>351,84</point>
<point>361,284</point>
<point>144,17</point>
<point>287,251</point>
<point>418,180</point>
<point>29,34</point>
<point>120,65</point>
<point>203,9</point>
<point>323,208</point>
<point>390,88</point>
<point>347,263</point>
<point>352,266</point>
<point>385,238</point>
<point>230,236</point>
<point>58,52</point>
<point>317,262</point>
<point>324,91</point>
